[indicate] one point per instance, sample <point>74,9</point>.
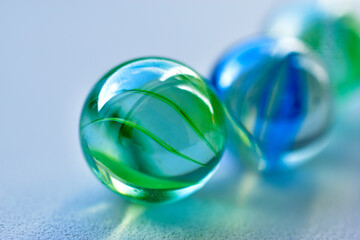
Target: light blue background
<point>52,52</point>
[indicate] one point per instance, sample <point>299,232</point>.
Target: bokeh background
<point>51,54</point>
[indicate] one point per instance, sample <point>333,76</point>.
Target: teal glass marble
<point>152,131</point>
<point>278,101</point>
<point>332,30</point>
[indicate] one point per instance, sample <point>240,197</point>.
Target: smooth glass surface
<point>278,101</point>
<point>332,30</point>
<point>151,130</point>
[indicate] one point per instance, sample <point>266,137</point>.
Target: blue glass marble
<point>278,102</point>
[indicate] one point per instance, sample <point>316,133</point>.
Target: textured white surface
<point>51,53</point>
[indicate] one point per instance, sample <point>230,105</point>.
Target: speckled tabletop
<point>52,53</point>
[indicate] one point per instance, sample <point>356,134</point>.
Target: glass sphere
<point>278,101</point>
<point>332,30</point>
<point>152,131</point>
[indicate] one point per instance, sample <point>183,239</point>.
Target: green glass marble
<point>152,131</point>
<point>330,28</point>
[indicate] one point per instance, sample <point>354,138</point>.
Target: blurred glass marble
<point>151,130</point>
<point>278,101</point>
<point>332,29</point>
